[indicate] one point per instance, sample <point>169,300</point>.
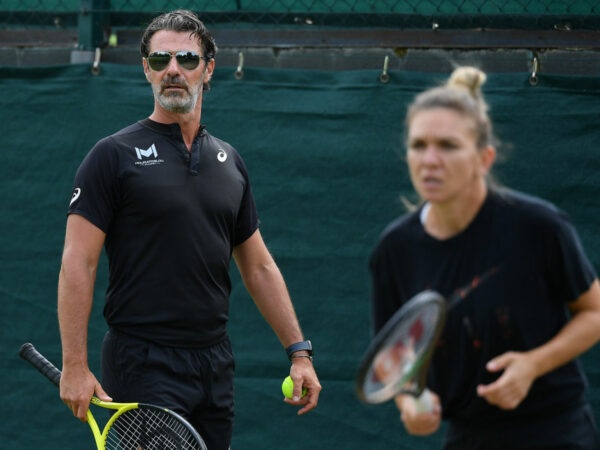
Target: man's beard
<point>179,101</point>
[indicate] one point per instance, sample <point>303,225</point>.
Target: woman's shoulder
<point>403,227</point>
<point>525,208</point>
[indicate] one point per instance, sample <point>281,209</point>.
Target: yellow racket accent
<point>133,425</point>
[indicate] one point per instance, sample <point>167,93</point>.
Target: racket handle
<point>37,360</point>
<point>425,401</point>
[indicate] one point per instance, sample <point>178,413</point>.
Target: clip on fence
<point>535,66</point>
<point>239,73</point>
<point>384,77</point>
<point>96,63</point>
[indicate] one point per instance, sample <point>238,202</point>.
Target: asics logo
<point>75,196</point>
<point>222,155</point>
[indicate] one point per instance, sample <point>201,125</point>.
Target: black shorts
<point>196,383</point>
<point>573,429</point>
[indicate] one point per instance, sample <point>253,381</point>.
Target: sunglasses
<point>186,59</point>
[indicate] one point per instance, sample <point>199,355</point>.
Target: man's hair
<point>180,20</point>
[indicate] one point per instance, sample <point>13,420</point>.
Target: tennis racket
<point>397,360</point>
<point>133,426</point>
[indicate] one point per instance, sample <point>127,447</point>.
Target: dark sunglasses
<point>186,59</point>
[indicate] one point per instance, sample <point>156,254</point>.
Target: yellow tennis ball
<point>287,387</point>
<point>112,40</point>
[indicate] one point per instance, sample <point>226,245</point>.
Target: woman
<point>504,373</point>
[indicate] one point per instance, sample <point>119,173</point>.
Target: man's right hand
<point>77,386</point>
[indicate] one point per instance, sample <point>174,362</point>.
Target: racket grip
<point>37,360</point>
<point>425,401</point>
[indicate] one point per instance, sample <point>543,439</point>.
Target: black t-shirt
<point>171,218</point>
<point>532,264</point>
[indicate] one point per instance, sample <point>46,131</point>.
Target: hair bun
<point>467,77</point>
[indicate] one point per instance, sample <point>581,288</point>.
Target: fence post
<point>93,24</point>
<point>93,30</point>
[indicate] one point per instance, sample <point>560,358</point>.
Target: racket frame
<point>29,353</point>
<point>412,382</point>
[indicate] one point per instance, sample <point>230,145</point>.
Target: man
<point>171,204</point>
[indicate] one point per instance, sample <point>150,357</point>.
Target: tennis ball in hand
<point>287,387</point>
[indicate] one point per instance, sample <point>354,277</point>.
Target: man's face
<point>177,89</point>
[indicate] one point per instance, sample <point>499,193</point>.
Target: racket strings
<point>402,353</point>
<point>149,429</point>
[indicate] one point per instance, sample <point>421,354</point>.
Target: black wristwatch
<point>299,346</point>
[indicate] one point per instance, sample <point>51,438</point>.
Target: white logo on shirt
<point>75,196</point>
<point>151,151</point>
<point>222,155</point>
<point>148,157</point>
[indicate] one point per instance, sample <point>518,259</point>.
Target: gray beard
<point>176,103</point>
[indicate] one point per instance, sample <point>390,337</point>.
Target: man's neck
<point>189,123</point>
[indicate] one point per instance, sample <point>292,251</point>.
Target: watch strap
<point>299,346</point>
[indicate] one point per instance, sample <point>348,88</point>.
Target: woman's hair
<point>461,93</point>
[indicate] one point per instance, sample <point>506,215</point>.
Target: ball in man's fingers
<point>287,387</point>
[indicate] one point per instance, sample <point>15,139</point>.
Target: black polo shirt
<point>171,218</point>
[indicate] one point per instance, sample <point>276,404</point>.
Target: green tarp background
<point>324,150</point>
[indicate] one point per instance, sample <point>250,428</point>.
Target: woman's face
<point>443,159</point>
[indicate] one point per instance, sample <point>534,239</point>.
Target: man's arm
<point>266,285</point>
<point>81,253</point>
